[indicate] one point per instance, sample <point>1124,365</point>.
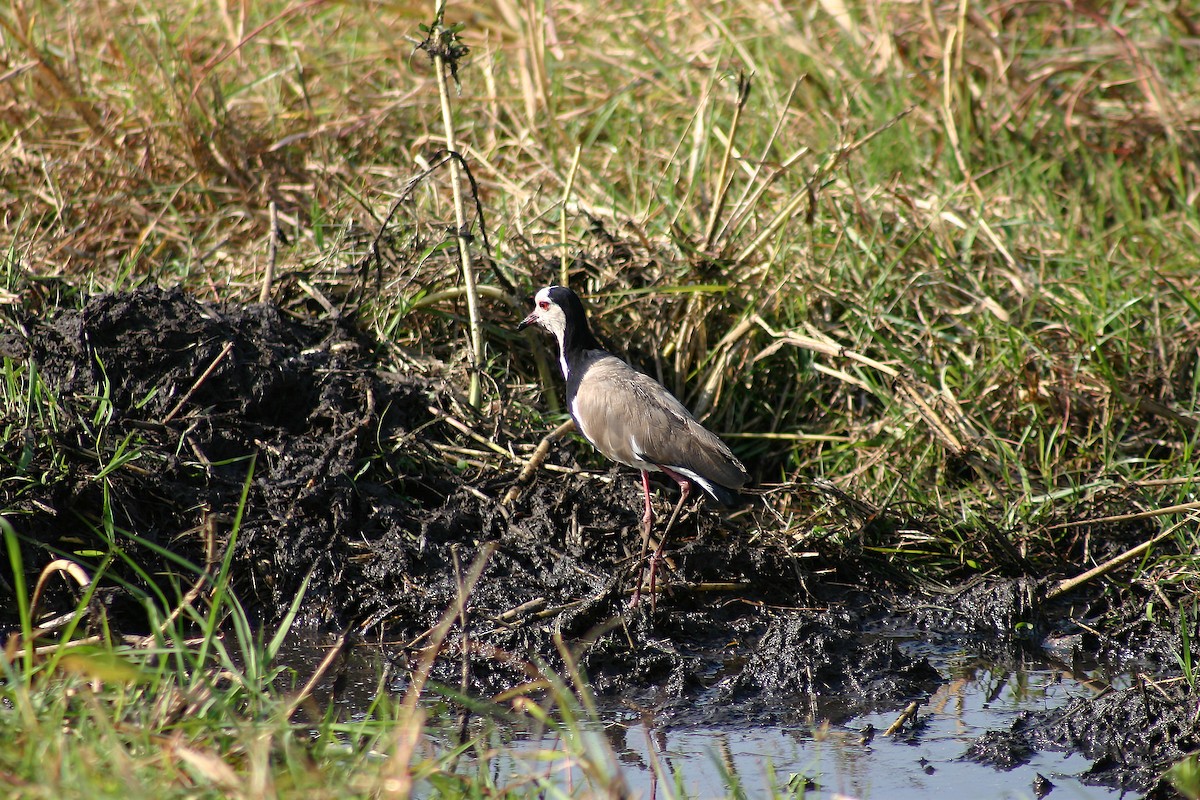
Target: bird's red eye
<point>543,304</point>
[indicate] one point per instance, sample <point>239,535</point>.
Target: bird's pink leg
<point>647,520</point>
<point>685,488</point>
<point>648,517</point>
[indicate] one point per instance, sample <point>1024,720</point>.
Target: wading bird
<point>632,418</point>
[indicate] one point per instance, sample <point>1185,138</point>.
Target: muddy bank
<point>168,409</point>
<point>1132,736</point>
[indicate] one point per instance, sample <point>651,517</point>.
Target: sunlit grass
<point>203,704</point>
<point>995,206</point>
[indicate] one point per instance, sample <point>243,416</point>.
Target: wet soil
<point>1131,736</point>
<point>169,410</point>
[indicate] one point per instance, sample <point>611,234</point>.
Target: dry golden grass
<point>939,251</point>
<point>944,256</point>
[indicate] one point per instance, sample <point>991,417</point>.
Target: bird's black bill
<point>525,323</point>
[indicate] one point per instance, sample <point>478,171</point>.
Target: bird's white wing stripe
<point>696,478</point>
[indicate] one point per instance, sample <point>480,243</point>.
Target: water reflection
<point>852,760</point>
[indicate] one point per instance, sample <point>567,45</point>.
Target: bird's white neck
<point>562,354</point>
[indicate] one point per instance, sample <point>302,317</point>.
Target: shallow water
<point>921,764</point>
<point>836,762</point>
<point>833,761</point>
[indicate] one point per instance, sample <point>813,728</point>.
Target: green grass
<point>201,708</point>
<point>1000,207</point>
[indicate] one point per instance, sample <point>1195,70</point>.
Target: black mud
<point>1132,736</point>
<point>170,409</point>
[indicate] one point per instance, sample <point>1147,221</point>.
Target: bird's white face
<point>547,314</point>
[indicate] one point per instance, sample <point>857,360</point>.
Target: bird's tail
<point>726,497</point>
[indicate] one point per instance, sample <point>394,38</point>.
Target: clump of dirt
<point>172,408</point>
<point>169,407</point>
<point>824,655</point>
<point>1132,736</point>
<point>984,607</point>
<point>358,485</point>
<point>1001,749</point>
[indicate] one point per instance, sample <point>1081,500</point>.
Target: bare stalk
<point>564,260</point>
<point>460,218</point>
<point>264,294</point>
<point>535,461</point>
<point>722,186</point>
<point>1064,586</point>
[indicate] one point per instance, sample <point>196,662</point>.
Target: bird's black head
<point>560,311</point>
<point>555,308</point>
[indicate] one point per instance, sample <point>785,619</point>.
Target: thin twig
<point>910,712</point>
<point>199,381</point>
<point>460,216</point>
<point>17,29</point>
<point>539,455</point>
<point>438,634</point>
<point>209,528</point>
<point>1157,512</point>
<point>319,296</point>
<point>433,298</point>
<point>458,424</point>
<point>826,347</point>
<point>832,162</point>
<point>264,294</point>
<point>564,260</point>
<point>331,656</point>
<point>756,185</point>
<point>465,646</point>
<point>528,607</point>
<point>723,182</point>
<point>711,386</point>
<point>1064,586</point>
<point>939,427</point>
